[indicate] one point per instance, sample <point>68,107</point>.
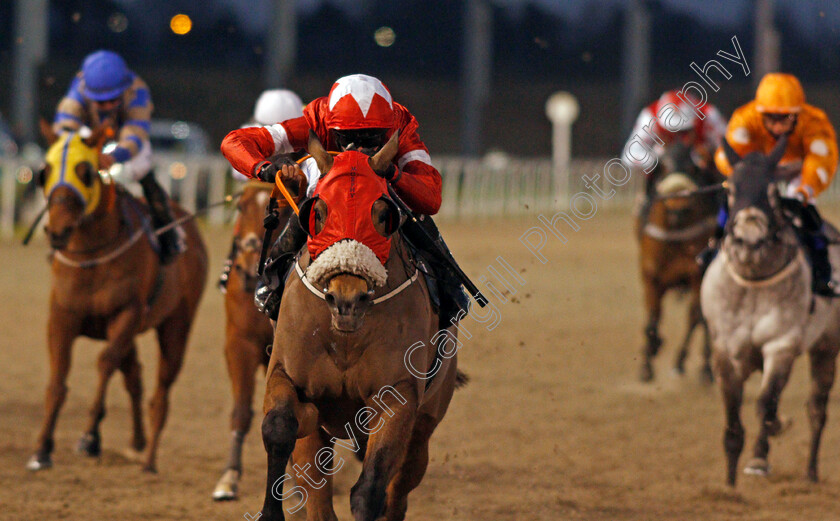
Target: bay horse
<point>108,284</point>
<point>762,314</point>
<point>355,334</point>
<point>247,331</point>
<point>671,232</point>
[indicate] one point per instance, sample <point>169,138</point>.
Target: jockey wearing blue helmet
<point>106,91</point>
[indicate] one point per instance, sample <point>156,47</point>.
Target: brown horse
<point>351,350</point>
<point>671,232</point>
<point>108,284</point>
<point>247,331</point>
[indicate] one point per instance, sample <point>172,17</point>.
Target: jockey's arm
<point>135,130</point>
<point>741,134</point>
<point>416,181</point>
<point>820,161</point>
<point>69,114</point>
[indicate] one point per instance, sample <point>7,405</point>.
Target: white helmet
<point>276,105</point>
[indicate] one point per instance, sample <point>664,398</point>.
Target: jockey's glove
<point>390,173</point>
<point>266,172</point>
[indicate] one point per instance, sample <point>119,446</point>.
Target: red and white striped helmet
<point>359,101</point>
<point>688,119</point>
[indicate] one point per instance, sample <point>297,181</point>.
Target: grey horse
<point>757,300</point>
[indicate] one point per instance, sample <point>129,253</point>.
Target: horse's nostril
<point>330,298</point>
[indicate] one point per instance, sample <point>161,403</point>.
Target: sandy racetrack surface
<point>553,425</point>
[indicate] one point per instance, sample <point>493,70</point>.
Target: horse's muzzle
<point>348,311</point>
<point>59,240</point>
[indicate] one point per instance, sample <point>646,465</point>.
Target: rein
<point>681,235</point>
<point>688,193</point>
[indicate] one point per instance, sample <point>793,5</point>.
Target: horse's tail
<point>461,379</point>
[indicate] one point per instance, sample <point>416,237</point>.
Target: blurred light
<point>180,130</point>
<point>178,170</point>
<point>384,37</point>
<point>586,56</point>
<point>24,174</point>
<point>180,24</point>
<point>117,22</point>
<point>76,17</point>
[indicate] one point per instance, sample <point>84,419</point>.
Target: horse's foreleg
<point>777,367</point>
<point>695,318</point>
<point>121,332</point>
<point>286,419</point>
<point>242,359</point>
<point>412,470</point>
<point>823,363</point>
<point>61,331</point>
<point>314,464</point>
<point>132,376</point>
<point>172,338</point>
<point>393,424</point>
<point>732,388</point>
<point>653,304</point>
<point>706,371</point>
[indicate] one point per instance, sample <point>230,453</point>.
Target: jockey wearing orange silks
<point>779,108</point>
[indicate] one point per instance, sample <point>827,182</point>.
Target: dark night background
<point>212,75</point>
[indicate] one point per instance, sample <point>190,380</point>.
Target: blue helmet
<point>106,76</point>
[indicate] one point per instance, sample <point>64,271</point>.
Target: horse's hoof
<point>757,467</point>
<point>89,445</point>
<point>37,463</point>
<point>133,455</point>
<point>227,487</point>
<point>646,374</point>
<point>150,469</point>
<point>677,372</point>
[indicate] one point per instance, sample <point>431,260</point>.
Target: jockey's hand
<point>802,194</point>
<point>292,178</point>
<point>266,172</point>
<point>106,161</point>
<point>389,172</point>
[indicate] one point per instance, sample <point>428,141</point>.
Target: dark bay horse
<point>671,232</point>
<point>108,284</point>
<point>355,340</point>
<point>247,331</point>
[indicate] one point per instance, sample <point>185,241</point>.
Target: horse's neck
<point>399,265</point>
<point>765,262</point>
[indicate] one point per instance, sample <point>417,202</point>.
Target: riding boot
<point>705,257</point>
<point>454,301</point>
<point>223,278</point>
<point>814,238</point>
<point>282,255</point>
<point>170,241</point>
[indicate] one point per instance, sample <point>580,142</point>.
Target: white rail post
<point>562,110</point>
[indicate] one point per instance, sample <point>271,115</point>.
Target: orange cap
<point>779,93</point>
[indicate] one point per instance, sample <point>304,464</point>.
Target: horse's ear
<point>380,161</point>
<point>731,155</point>
<point>319,153</point>
<point>386,216</point>
<point>778,150</point>
<point>47,131</point>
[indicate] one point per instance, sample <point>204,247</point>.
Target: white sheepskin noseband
<point>347,256</point>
